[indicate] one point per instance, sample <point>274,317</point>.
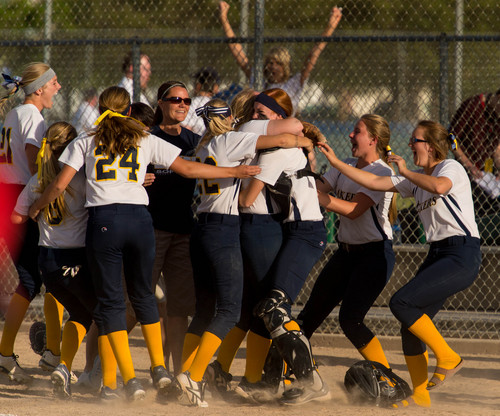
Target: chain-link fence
<point>404,61</point>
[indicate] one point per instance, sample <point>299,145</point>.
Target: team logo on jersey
<point>426,204</point>
<point>103,229</point>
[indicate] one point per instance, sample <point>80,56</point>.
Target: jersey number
<point>209,188</point>
<point>6,151</point>
<point>127,161</point>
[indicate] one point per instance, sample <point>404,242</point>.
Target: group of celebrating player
<point>258,233</point>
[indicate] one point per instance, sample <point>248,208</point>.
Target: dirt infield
<point>472,392</point>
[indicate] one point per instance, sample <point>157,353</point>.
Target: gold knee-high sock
<point>53,311</point>
<point>230,345</point>
<point>257,349</point>
<point>189,350</point>
<point>13,319</point>
<point>208,346</point>
<point>425,330</point>
<point>417,367</point>
<point>152,336</point>
<point>121,349</point>
<point>373,352</point>
<point>73,335</point>
<point>108,362</point>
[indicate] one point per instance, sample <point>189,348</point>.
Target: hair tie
<point>110,114</point>
<point>270,103</point>
<point>208,110</point>
<point>39,157</point>
<point>453,141</point>
<point>11,83</point>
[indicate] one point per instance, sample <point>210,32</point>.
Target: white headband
<point>39,82</point>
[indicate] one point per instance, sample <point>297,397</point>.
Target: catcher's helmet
<point>38,337</point>
<point>370,382</point>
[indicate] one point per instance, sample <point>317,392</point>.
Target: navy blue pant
<point>30,280</point>
<point>355,275</point>
<point>121,234</point>
<point>451,266</point>
<point>260,238</point>
<point>302,247</point>
<point>66,276</point>
<point>218,273</point>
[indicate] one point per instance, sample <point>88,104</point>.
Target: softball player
<point>119,229</point>
<point>22,134</point>
<point>62,259</point>
<point>215,245</point>
<point>304,239</point>
<point>259,222</point>
<point>444,202</point>
<point>359,270</point>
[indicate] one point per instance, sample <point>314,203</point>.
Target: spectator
<point>277,61</point>
<point>476,125</point>
<point>206,85</point>
<point>128,70</point>
<point>87,112</point>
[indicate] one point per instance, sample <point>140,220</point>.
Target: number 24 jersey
<point>117,179</point>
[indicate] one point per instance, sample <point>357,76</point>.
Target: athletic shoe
<point>92,381</point>
<point>11,367</point>
<point>317,391</point>
<point>108,394</point>
<point>49,361</point>
<point>192,393</point>
<point>259,392</point>
<point>73,378</point>
<point>217,378</point>
<point>134,390</point>
<point>161,377</point>
<point>61,382</point>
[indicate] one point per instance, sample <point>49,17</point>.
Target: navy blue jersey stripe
<point>377,224</point>
<point>453,213</point>
<point>296,212</point>
<point>454,202</point>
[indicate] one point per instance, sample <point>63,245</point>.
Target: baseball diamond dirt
<point>474,391</point>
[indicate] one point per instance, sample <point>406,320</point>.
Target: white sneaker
<point>11,367</point>
<point>92,381</point>
<point>73,378</point>
<point>49,361</point>
<point>316,391</point>
<point>192,392</point>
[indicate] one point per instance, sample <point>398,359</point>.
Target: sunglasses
<point>415,140</point>
<point>177,100</point>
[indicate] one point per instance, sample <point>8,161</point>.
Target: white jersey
<point>192,121</point>
<point>373,224</point>
<point>128,84</point>
<point>85,117</point>
<point>292,87</point>
<point>23,125</point>
<point>67,232</point>
<point>261,205</point>
<point>117,180</point>
<point>304,196</point>
<point>227,150</point>
<point>444,215</point>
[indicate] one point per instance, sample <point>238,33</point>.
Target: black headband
<point>270,103</point>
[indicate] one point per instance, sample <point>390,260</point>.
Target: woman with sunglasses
<point>173,216</point>
<point>442,192</point>
<point>120,232</point>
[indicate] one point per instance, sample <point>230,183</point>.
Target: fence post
<point>47,30</point>
<point>443,80</point>
<point>244,16</point>
<point>136,65</point>
<point>259,45</point>
<point>459,50</point>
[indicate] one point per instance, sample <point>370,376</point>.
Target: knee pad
<point>273,300</point>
